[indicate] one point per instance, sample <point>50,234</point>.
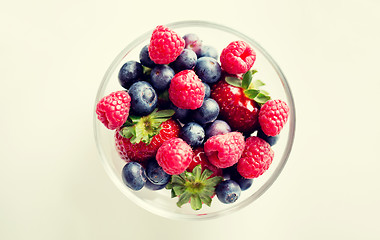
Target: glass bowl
<point>160,202</point>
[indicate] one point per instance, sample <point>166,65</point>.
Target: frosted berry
<point>113,109</point>
<point>165,45</point>
<point>225,150</point>
<point>272,116</point>
<point>256,158</point>
<point>238,57</point>
<point>129,73</point>
<point>133,175</point>
<point>186,90</point>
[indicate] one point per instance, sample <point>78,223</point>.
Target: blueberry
<point>186,60</point>
<point>143,98</point>
<point>193,134</point>
<point>156,174</point>
<point>192,42</point>
<point>208,51</point>
<point>272,140</point>
<point>129,73</point>
<point>207,113</point>
<point>228,191</point>
<point>208,70</point>
<point>133,175</point>
<point>217,127</point>
<point>160,77</point>
<point>145,59</point>
<point>151,186</point>
<point>207,90</point>
<point>181,114</point>
<point>231,173</point>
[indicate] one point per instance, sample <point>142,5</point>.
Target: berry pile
<point>191,124</point>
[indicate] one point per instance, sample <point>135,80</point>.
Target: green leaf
<point>206,174</point>
<point>261,98</point>
<point>195,202</point>
<point>164,113</point>
<point>206,199</point>
<point>197,172</point>
<point>264,92</point>
<point>257,83</point>
<point>178,190</point>
<point>251,93</point>
<point>177,179</point>
<point>253,71</point>
<point>234,81</point>
<point>169,185</point>
<point>172,194</point>
<point>135,119</point>
<point>184,198</point>
<point>190,176</point>
<point>247,79</point>
<point>213,181</point>
<point>126,132</point>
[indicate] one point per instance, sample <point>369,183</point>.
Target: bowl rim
<point>232,208</point>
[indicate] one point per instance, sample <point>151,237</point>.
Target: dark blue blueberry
<point>192,42</point>
<point>133,175</point>
<point>208,51</point>
<point>217,127</point>
<point>181,114</point>
<point>207,113</point>
<point>207,90</point>
<point>129,73</point>
<point>231,173</point>
<point>151,186</point>
<point>143,98</point>
<point>145,59</point>
<point>208,70</point>
<point>186,60</point>
<point>160,77</point>
<point>156,174</point>
<point>272,140</point>
<point>228,191</point>
<point>193,134</point>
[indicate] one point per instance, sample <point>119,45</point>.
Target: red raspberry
<point>141,151</point>
<point>174,156</point>
<point>272,117</point>
<point>237,57</point>
<point>200,158</point>
<point>186,90</point>
<point>165,45</point>
<point>113,110</point>
<point>256,158</point>
<point>225,150</point>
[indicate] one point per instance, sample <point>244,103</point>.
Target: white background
<point>53,55</point>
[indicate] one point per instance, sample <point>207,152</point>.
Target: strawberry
<point>201,158</point>
<point>140,137</point>
<point>239,101</point>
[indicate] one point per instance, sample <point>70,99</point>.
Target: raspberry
<point>225,150</point>
<point>186,90</point>
<point>272,117</point>
<point>174,156</point>
<point>238,57</point>
<point>113,109</point>
<point>256,158</point>
<point>165,45</point>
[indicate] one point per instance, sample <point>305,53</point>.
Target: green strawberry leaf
<point>205,199</point>
<point>206,174</point>
<point>184,198</point>
<point>251,93</point>
<point>197,171</point>
<point>236,82</point>
<point>178,190</point>
<point>213,181</point>
<point>247,79</point>
<point>163,113</point>
<point>195,202</point>
<point>257,84</point>
<point>261,98</point>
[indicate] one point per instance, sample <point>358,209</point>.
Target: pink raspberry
<point>272,117</point>
<point>224,150</point>
<point>186,90</point>
<point>165,45</point>
<point>256,158</point>
<point>174,156</point>
<point>238,57</point>
<point>113,110</point>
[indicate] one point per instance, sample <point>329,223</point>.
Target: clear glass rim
<point>262,189</point>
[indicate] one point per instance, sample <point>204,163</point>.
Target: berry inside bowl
<point>205,129</point>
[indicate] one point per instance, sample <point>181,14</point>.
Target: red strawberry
<point>200,158</point>
<point>240,112</point>
<point>141,141</point>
